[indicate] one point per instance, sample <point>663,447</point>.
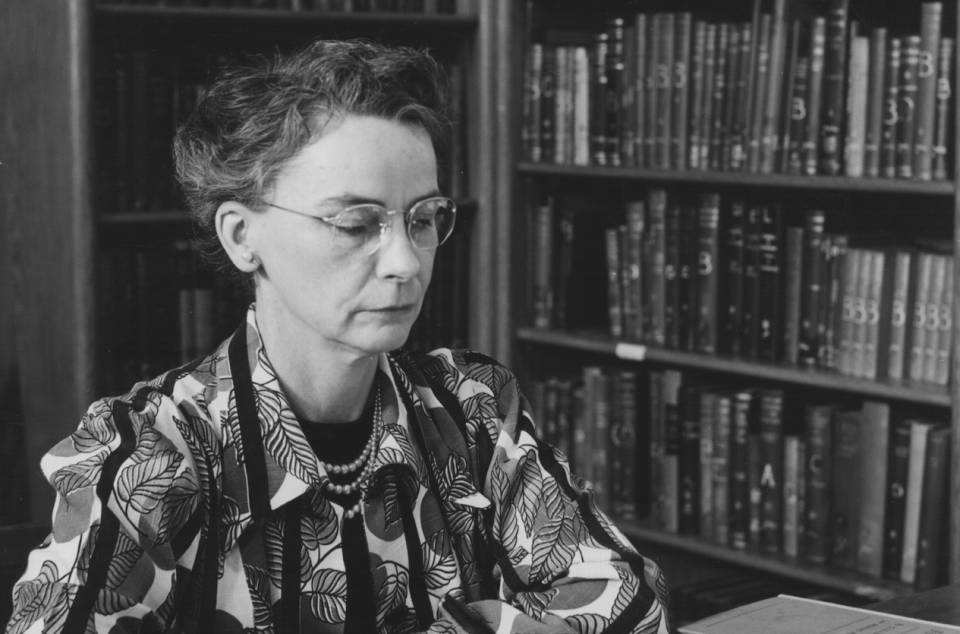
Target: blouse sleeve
<point>563,566</point>
<point>108,563</point>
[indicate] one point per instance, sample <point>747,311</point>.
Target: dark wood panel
<point>47,227</point>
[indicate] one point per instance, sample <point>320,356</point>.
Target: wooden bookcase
<point>547,351</point>
<point>53,231</point>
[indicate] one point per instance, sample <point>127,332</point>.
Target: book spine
<point>942,118</point>
<point>785,105</point>
<point>835,249</point>
<point>734,60</point>
<point>754,474</point>
<point>931,16</point>
<point>738,132</point>
<point>811,137</point>
<point>600,459</point>
<point>856,107</point>
<point>875,439</point>
<point>681,91</point>
<point>751,275</point>
<point>771,474</point>
<point>707,90</point>
<point>860,315</point>
<point>689,517</point>
<point>733,273</point>
<point>919,435</point>
<point>598,102</point>
<point>657,414</point>
<point>798,113</point>
<point>633,297</point>
<point>810,299</point>
<point>792,479</point>
<point>614,298</point>
<point>628,96</point>
<point>581,106</point>
<point>761,80</point>
<point>918,330</point>
<point>907,106</point>
<point>871,340</point>
<point>739,465</point>
<point>708,422</point>
<point>891,110</point>
<point>792,291</point>
<point>831,122</point>
<point>930,568</point>
<point>900,312</point>
<point>875,112</point>
<point>623,445</point>
<point>769,320</point>
<point>533,69</point>
<point>548,104</point>
<point>671,275</point>
<point>774,88</point>
<point>665,81</point>
<point>718,92</point>
<point>932,321</point>
<point>687,292</point>
<point>655,282</point>
<point>817,518</point>
<point>640,89</point>
<point>844,499</point>
<point>671,468</point>
<point>543,307</point>
<point>614,88</point>
<point>654,78</point>
<point>721,469</point>
<point>694,125</point>
<point>897,468</point>
<point>941,374</point>
<point>707,275</point>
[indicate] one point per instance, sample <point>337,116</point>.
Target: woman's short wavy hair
<point>255,118</point>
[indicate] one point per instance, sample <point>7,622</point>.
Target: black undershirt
<point>341,443</point>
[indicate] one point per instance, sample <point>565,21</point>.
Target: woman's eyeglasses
<point>361,228</point>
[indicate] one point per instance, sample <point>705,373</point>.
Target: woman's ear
<point>233,221</point>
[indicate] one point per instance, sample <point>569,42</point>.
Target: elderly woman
<point>303,478</point>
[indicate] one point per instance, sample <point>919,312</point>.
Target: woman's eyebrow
<point>346,200</point>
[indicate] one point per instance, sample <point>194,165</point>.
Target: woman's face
<point>351,298</point>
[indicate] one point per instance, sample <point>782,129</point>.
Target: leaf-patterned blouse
<point>193,503</point>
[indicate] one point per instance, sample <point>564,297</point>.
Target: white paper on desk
<point>786,614</point>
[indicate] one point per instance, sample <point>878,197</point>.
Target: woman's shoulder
<point>453,366</point>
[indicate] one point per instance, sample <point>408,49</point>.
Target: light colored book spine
<point>708,422</point>
<point>581,106</point>
<point>918,327</point>
<point>721,469</point>
<point>857,106</point>
<point>919,432</point>
<point>793,473</point>
<point>942,371</point>
<point>934,317</point>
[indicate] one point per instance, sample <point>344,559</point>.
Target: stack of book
<point>855,485</point>
<point>803,96</point>
<point>731,277</point>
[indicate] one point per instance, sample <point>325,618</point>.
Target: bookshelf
<point>56,228</point>
<point>580,170</point>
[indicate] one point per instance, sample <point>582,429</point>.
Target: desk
<point>941,605</point>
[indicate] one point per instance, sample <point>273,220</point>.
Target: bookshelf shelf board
<point>740,179</point>
<point>824,576</point>
<point>606,345</point>
<point>371,18</point>
<point>144,217</point>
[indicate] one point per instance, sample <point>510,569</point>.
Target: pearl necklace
<point>364,462</point>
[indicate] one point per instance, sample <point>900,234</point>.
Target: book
<point>739,466</point>
<point>927,61</point>
<point>797,117</point>
<point>944,351</point>
<point>530,129</point>
<point>679,139</point>
<point>716,93</point>
<point>793,262</point>
<point>794,494</point>
<point>655,268</point>
<point>942,119</point>
<point>913,497</point>
<point>785,614</point>
<point>817,510</point>
<point>750,299</point>
<point>640,89</point>
<point>695,127</point>
<point>811,136</point>
<point>774,88</point>
<point>707,275</point>
<point>918,328</point>
<point>722,430</point>
<point>762,78</point>
<point>771,470</point>
<point>845,498</point>
<point>932,530</point>
<point>665,89</point>
<point>769,318</point>
<point>733,262</point>
<point>935,312</point>
<point>599,96</point>
<point>689,465</point>
<point>624,492</point>
<point>614,296</point>
<point>633,297</point>
<point>707,433</point>
<point>900,312</point>
<point>896,483</point>
<point>670,466</point>
<point>891,110</point>
<point>688,277</point>
<point>856,117</point>
<point>613,119</point>
<point>808,351</point>
<point>543,282</point>
<point>907,105</point>
<point>671,275</point>
<point>834,68</point>
<point>875,100</point>
<point>875,450</point>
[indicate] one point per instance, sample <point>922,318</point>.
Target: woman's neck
<point>323,383</point>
